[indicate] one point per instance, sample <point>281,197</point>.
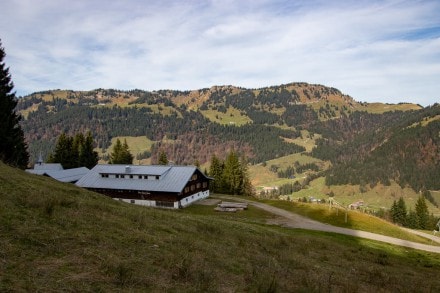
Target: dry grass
<point>56,237</point>
<point>231,117</point>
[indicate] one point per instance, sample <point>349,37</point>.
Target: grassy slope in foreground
<point>56,237</point>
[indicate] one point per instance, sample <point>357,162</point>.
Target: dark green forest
<point>403,146</point>
<point>363,148</point>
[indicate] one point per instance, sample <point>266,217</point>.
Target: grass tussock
<point>56,237</point>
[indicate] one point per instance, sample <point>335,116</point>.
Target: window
<point>140,176</point>
<point>157,177</point>
<point>193,187</point>
<point>205,184</point>
<point>117,175</point>
<point>145,177</point>
<point>186,189</point>
<point>131,176</point>
<point>198,185</point>
<point>122,176</point>
<point>194,177</point>
<point>104,175</point>
<point>165,204</point>
<point>132,201</point>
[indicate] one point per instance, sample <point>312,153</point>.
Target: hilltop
<point>328,133</point>
<point>57,237</point>
<point>206,119</point>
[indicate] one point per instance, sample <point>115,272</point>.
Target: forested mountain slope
<point>366,143</point>
<point>400,146</point>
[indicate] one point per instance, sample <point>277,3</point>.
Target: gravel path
<point>292,220</point>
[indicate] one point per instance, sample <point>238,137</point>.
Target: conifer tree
<point>64,152</point>
<point>246,186</point>
<point>163,159</point>
<point>121,153</point>
<point>413,220</point>
<point>422,213</point>
<point>73,152</point>
<point>216,172</point>
<point>232,174</point>
<point>13,149</point>
<point>127,157</point>
<point>399,212</point>
<point>115,156</point>
<point>87,156</point>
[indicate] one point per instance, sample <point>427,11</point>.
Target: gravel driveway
<point>292,220</point>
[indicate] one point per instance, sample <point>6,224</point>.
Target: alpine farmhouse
<point>155,186</point>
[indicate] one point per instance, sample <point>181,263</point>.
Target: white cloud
<point>374,51</point>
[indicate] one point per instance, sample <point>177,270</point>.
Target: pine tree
<point>121,153</point>
<point>246,186</point>
<point>115,156</point>
<point>232,174</point>
<point>127,157</point>
<point>399,212</point>
<point>163,159</point>
<point>64,153</point>
<point>87,156</point>
<point>216,172</point>
<point>73,152</point>
<point>13,149</point>
<point>422,213</point>
<point>413,220</point>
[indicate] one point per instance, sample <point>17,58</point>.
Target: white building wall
<point>177,204</point>
<point>148,203</point>
<point>193,198</point>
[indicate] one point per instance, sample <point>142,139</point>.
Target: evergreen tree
<point>115,156</point>
<point>399,212</point>
<point>64,153</point>
<point>413,220</point>
<point>87,156</point>
<point>13,149</point>
<point>163,159</point>
<point>127,157</point>
<point>216,172</point>
<point>77,142</point>
<point>121,153</point>
<point>232,174</point>
<point>402,214</point>
<point>422,213</point>
<point>246,186</point>
<point>73,152</point>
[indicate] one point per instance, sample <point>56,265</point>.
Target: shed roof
<point>172,178</point>
<point>68,175</point>
<point>40,169</point>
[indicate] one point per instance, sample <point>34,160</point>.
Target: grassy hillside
<point>57,237</point>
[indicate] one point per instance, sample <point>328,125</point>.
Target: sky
<point>375,51</point>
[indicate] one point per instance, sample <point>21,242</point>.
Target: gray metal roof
<point>68,175</point>
<point>40,169</point>
<point>172,178</point>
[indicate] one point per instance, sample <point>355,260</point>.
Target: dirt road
<point>292,220</point>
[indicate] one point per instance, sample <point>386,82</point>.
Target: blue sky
<point>375,51</point>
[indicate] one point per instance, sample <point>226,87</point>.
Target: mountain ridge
<point>191,126</point>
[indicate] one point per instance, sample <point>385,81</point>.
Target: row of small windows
<point>198,185</point>
<point>157,177</point>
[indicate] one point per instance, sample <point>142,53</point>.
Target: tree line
<point>74,151</point>
<point>419,218</point>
